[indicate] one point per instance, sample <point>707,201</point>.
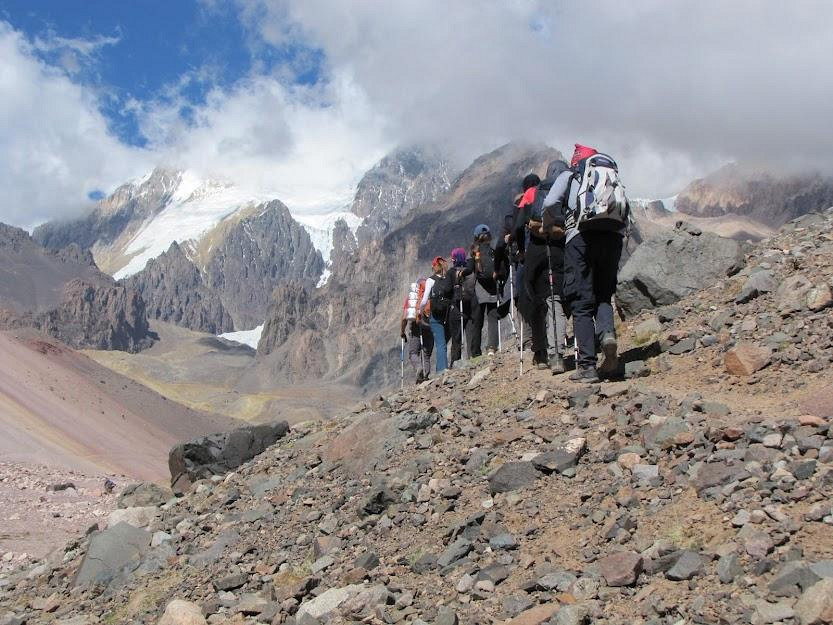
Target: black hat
<point>531,180</point>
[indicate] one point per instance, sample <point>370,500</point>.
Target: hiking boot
<point>420,377</point>
<point>610,362</point>
<point>584,375</point>
<point>539,361</point>
<point>557,365</point>
<point>490,353</point>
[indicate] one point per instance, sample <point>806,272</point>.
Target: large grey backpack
<point>601,203</point>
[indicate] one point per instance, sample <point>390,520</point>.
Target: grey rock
<point>572,614</point>
<point>791,578</point>
<point>815,606</point>
<point>455,551</point>
<point>416,422</point>
<point>683,347</point>
<point>728,568</point>
<point>513,476</point>
<point>231,582</point>
<point>111,553</point>
<point>773,612</point>
<point>368,561</point>
<point>217,454</point>
<point>327,602</point>
<point>503,540</point>
<point>757,284</point>
<point>697,260</point>
<point>688,565</point>
<point>143,495</point>
<point>446,616</point>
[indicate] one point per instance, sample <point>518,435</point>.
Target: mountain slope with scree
<point>697,489</point>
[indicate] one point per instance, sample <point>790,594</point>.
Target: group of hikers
<point>556,257</point>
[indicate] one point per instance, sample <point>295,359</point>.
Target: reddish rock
<point>621,569</point>
<point>746,358</point>
<point>536,615</point>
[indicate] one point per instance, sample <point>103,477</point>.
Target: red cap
<point>437,259</point>
<point>581,153</point>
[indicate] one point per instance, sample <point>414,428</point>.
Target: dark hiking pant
<point>419,353</point>
<point>483,312</point>
<point>591,263</point>
<point>536,296</point>
<point>455,325</point>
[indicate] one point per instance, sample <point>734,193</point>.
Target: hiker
<point>596,214</point>
<point>436,304</point>
<point>482,263</point>
<point>420,341</point>
<point>541,288</point>
<point>457,321</point>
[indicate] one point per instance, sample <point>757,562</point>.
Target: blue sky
<point>149,48</point>
<point>296,99</point>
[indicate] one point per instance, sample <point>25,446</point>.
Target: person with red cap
<point>591,262</point>
<point>439,292</point>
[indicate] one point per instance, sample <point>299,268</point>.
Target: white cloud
<point>54,143</point>
<point>695,81</point>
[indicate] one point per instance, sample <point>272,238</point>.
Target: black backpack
<point>541,220</point>
<point>440,296</point>
<point>485,264</point>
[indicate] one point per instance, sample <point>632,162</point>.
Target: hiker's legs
<point>454,321</point>
<point>491,313</point>
<point>605,250</point>
<point>559,333</point>
<point>414,355</point>
<point>537,288</point>
<point>578,289</point>
<point>438,330</point>
<point>477,314</point>
<point>428,346</point>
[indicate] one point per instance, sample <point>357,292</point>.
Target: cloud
<point>73,54</point>
<point>672,88</point>
<point>55,145</point>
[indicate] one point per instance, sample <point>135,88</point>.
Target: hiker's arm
<point>402,327</point>
<point>469,269</point>
<point>429,283</point>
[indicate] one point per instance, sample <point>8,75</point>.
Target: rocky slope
<point>339,331</point>
<point>756,195</point>
<point>62,293</point>
<point>698,489</point>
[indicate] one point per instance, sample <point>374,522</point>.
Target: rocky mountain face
<point>697,489</point>
<point>114,218</point>
<point>346,323</point>
<point>62,293</point>
<point>402,181</point>
<point>175,291</point>
<point>757,195</point>
<point>260,252</point>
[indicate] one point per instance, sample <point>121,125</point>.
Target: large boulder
<point>217,454</point>
<point>112,553</point>
<point>674,264</point>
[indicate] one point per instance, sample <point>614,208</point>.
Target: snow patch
<point>245,337</point>
<point>320,228</point>
<point>670,204</point>
<point>195,208</point>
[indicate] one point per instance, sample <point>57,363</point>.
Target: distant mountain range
<point>320,293</point>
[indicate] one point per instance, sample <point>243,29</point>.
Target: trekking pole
<point>521,351</point>
<point>422,349</point>
<point>497,310</point>
<point>401,363</point>
<point>512,300</point>
<point>552,298</point>
<point>463,346</point>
